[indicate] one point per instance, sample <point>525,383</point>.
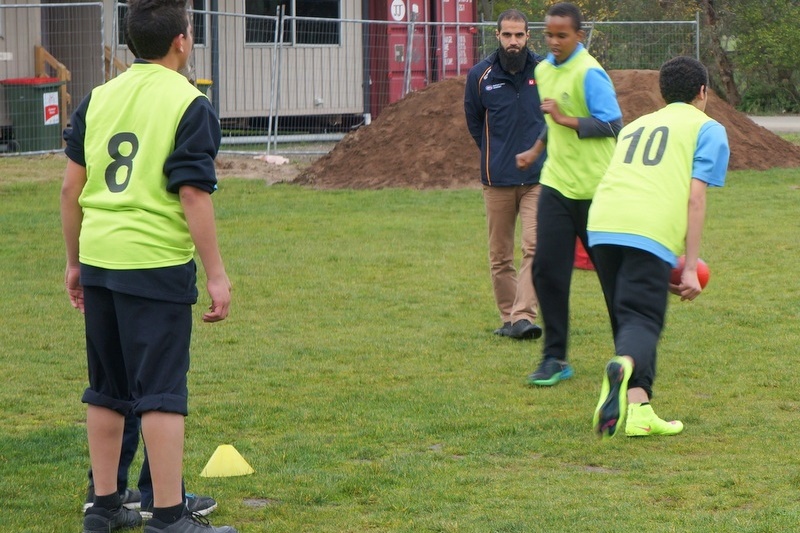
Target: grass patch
<point>359,376</point>
<point>791,137</point>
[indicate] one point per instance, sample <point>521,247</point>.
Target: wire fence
<point>278,82</point>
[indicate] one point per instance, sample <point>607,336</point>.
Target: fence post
<point>272,121</point>
<point>697,35</point>
<point>215,78</point>
<point>409,52</point>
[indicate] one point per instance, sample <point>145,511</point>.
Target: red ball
<point>702,272</point>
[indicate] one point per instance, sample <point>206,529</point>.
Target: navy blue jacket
<point>504,117</point>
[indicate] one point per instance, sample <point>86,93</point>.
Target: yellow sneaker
<point>642,421</point>
<point>609,415</point>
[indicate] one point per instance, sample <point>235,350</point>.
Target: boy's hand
<point>220,291</point>
<point>529,156</point>
<point>525,159</point>
<point>550,107</point>
<point>72,281</point>
<point>690,288</point>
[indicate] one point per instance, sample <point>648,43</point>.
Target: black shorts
<point>138,352</point>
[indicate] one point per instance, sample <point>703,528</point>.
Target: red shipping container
<point>456,47</point>
<point>398,64</point>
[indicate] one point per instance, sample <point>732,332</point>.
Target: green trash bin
<point>35,110</point>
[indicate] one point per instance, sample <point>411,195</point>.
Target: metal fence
<point>618,45</point>
<point>279,83</point>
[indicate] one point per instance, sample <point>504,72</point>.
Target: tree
<point>711,10</point>
<point>767,40</point>
<point>485,10</point>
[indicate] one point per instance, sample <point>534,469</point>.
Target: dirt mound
<point>422,142</point>
<point>419,142</point>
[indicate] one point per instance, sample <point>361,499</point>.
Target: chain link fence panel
<point>280,83</point>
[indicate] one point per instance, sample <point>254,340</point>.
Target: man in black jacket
<point>502,108</point>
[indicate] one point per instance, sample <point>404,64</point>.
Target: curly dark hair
<point>680,79</point>
<point>151,25</point>
<point>565,9</point>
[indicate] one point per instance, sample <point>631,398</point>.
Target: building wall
<point>310,79</point>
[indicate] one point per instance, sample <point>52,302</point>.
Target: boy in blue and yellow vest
<point>135,206</point>
<point>583,119</point>
<point>648,209</point>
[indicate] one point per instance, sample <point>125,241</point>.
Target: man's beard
<point>512,61</point>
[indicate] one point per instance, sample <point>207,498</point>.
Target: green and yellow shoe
<point>550,372</point>
<point>642,421</point>
<point>609,415</point>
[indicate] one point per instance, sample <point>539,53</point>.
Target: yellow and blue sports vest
<point>130,220</point>
<point>573,166</point>
<point>645,191</point>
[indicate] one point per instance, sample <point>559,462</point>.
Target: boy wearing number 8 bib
<point>135,207</point>
<point>648,209</point>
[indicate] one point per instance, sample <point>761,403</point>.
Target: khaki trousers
<point>513,290</point>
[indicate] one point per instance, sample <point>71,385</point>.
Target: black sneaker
<point>97,520</point>
<point>524,329</point>
<point>189,523</point>
<point>504,330</point>
<point>132,499</point>
<point>550,372</point>
<point>201,505</point>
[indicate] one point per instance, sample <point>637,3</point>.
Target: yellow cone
<point>226,462</point>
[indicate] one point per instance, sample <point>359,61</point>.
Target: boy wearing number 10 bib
<point>648,209</point>
<point>135,207</point>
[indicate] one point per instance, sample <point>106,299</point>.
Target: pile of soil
<point>422,142</point>
<point>418,142</point>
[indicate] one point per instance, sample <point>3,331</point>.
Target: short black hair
<point>151,25</point>
<point>565,9</point>
<point>680,79</point>
<point>512,14</point>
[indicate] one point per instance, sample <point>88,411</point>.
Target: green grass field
<point>359,376</point>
